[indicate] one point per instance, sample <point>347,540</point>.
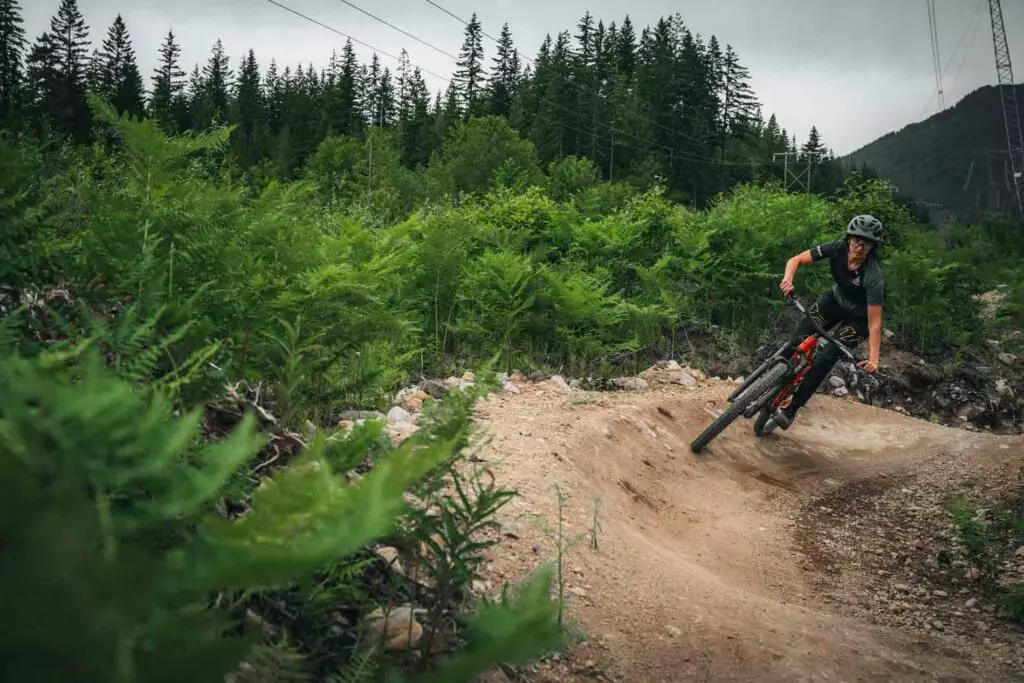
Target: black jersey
<point>856,289</point>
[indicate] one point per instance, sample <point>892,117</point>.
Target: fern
<point>277,663</point>
<point>363,667</point>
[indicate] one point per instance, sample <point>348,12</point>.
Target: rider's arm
<point>874,332</point>
<point>804,258</point>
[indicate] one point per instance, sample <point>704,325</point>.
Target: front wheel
<point>771,378</point>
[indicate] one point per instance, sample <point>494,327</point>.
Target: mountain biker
<point>853,305</point>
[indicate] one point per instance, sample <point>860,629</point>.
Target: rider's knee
<point>829,354</point>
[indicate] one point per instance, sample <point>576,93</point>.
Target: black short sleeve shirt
<point>854,289</point>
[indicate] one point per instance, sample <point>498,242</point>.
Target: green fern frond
<point>277,663</point>
<point>363,667</point>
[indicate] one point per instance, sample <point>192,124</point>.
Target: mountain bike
<point>771,386</point>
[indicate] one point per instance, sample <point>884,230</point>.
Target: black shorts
<point>850,328</point>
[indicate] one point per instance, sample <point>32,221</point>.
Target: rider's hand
<point>787,287</point>
<point>868,366</point>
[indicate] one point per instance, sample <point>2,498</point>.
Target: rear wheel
<point>761,422</point>
<point>771,378</point>
<point>761,426</point>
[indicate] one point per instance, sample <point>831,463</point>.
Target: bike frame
<point>799,359</point>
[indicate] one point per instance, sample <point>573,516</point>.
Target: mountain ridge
<point>956,158</point>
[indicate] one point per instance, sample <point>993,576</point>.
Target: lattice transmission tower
<point>1008,95</point>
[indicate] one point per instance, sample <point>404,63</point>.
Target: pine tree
<point>248,100</point>
<point>714,88</point>
<point>470,76</point>
<point>12,47</point>
<point>217,80</point>
<point>738,104</point>
<point>368,87</point>
<point>602,67</point>
<point>402,93</point>
<point>585,78</point>
<point>585,40</point>
<point>447,113</point>
<point>415,132</point>
<point>248,113</point>
<point>117,78</point>
<point>59,60</point>
<point>345,112</point>
<point>626,49</point>
<point>772,137</point>
<point>40,73</point>
<point>505,75</point>
<point>199,115</point>
<point>814,149</point>
<point>273,98</point>
<point>166,103</point>
<point>385,99</point>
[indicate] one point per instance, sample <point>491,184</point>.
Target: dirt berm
<point>803,556</point>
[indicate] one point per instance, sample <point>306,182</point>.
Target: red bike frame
<point>805,349</point>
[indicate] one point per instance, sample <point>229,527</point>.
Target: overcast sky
<point>856,70</point>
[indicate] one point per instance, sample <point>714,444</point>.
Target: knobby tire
<point>766,382</point>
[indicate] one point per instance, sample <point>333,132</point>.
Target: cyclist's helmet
<point>866,226</point>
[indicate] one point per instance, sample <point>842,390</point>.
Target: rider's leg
<point>827,312</point>
<point>851,333</point>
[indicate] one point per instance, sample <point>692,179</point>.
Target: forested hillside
<point>207,291</point>
<point>956,158</point>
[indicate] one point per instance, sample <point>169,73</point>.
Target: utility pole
<point>1008,95</point>
<point>802,179</point>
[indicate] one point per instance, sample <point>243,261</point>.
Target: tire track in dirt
<point>701,573</point>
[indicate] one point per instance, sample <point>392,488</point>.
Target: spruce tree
<point>814,149</point>
<point>117,78</point>
<point>740,104</point>
<point>59,66</point>
<point>470,75</point>
<point>585,40</point>
<point>584,77</point>
<point>217,80</point>
<point>626,49</point>
<point>385,99</point>
<point>12,48</point>
<point>368,87</point>
<point>505,74</point>
<point>601,64</point>
<point>346,112</point>
<point>273,98</point>
<point>415,133</point>
<point>248,100</point>
<point>199,114</point>
<point>40,74</point>
<point>248,113</point>
<point>166,103</point>
<point>402,91</point>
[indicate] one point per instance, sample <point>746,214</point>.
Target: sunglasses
<point>861,242</point>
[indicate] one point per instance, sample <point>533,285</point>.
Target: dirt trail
<point>702,570</point>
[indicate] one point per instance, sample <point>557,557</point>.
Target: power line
<point>404,33</point>
<point>345,35</point>
<point>975,21</point>
<point>686,156</point>
<point>936,60</point>
<point>579,86</point>
<point>970,44</point>
<point>585,91</point>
